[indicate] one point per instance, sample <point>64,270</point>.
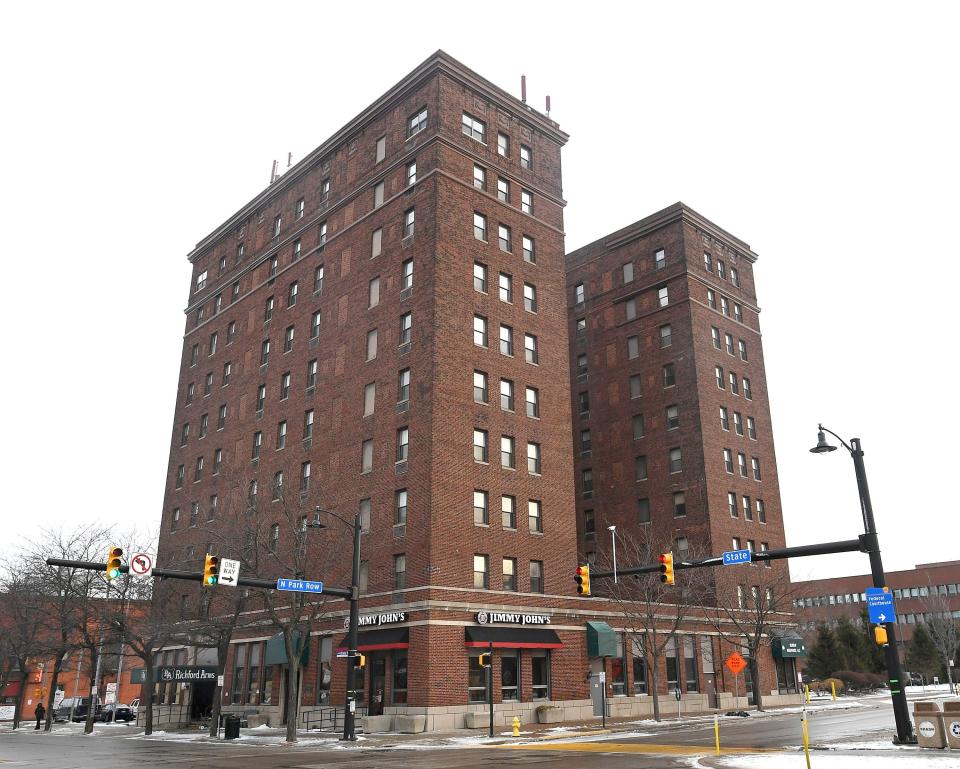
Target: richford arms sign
<point>511,618</point>
<point>175,673</point>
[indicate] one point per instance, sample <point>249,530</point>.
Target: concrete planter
<point>549,714</point>
<point>476,720</point>
<point>409,724</point>
<point>257,719</point>
<point>377,724</point>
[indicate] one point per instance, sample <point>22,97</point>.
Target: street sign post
<point>731,557</point>
<point>880,605</point>
<point>141,565</point>
<point>736,663</point>
<point>300,585</point>
<point>229,572</point>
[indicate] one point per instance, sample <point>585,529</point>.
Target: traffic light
<point>666,568</point>
<point>880,635</point>
<point>582,578</point>
<point>486,660</point>
<point>211,570</point>
<point>114,563</point>
<point>360,661</point>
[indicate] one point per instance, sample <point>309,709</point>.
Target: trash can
<point>951,724</point>
<point>929,722</point>
<point>231,727</point>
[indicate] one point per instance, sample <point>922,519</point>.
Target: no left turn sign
<point>141,564</point>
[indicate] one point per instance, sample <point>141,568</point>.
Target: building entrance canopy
<point>512,638</point>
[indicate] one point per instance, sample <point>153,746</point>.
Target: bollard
<point>806,691</point>
<point>716,731</point>
<point>806,736</point>
<point>516,726</point>
<point>833,689</point>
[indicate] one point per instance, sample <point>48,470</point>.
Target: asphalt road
<point>649,747</point>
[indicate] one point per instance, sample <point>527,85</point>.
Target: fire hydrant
<point>516,726</point>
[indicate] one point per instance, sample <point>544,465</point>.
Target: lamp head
<point>611,528</point>
<point>316,523</point>
<point>822,446</point>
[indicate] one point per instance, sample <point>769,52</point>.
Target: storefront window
<point>618,678</point>
<point>690,664</point>
<point>254,686</point>
<point>239,671</point>
<point>510,676</point>
<point>786,675</point>
<point>540,664</point>
<point>266,696</point>
<point>324,673</point>
<point>400,677</point>
<point>673,667</point>
<point>476,680</point>
<point>639,667</point>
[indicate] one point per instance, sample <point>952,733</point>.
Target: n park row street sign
<point>300,585</point>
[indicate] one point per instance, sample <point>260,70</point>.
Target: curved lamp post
<point>901,713</point>
<point>349,720</point>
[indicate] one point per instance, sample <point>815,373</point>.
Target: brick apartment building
<point>384,330</point>
<point>928,588</point>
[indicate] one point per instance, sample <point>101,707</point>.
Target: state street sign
<point>731,557</point>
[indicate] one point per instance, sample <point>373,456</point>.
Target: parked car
<point>78,706</point>
<point>117,712</point>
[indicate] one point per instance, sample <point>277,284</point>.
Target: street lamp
<point>349,731</point>
<point>613,533</point>
<point>901,714</point>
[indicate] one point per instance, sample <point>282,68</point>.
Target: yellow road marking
<point>632,747</point>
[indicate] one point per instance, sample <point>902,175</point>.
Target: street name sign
<point>880,605</point>
<point>731,557</point>
<point>229,572</point>
<point>300,585</point>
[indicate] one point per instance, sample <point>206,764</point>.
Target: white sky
<point>823,134</point>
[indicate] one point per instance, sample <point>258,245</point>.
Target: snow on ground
<point>924,760</point>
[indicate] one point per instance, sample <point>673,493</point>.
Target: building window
<point>737,312</point>
<point>747,509</point>
<point>659,259</point>
<point>638,426</point>
<point>481,577</point>
<point>480,453</point>
<point>679,504</point>
<point>742,464</point>
<point>579,294</point>
<point>743,349</point>
<point>533,402</point>
<point>747,391</point>
<point>526,157</point>
<point>208,384</point>
<point>308,424</point>
<point>288,339</point>
<point>581,328</point>
<point>277,221</point>
<point>261,397</point>
<point>480,227</point>
<point>738,422</point>
<point>761,511</point>
<point>715,335</point>
<point>403,386</point>
<point>479,177</point>
<point>728,338</point>
<point>732,504</point>
<point>529,297</point>
<point>366,456</point>
<point>473,127</point>
<point>480,277</point>
<point>481,515</point>
<point>584,403</point>
<point>411,173</point>
<point>535,515</point>
<point>663,296</point>
<point>724,419</point>
<point>506,288</point>
<point>479,331</point>
<point>406,275</point>
<point>505,238</point>
<point>222,417</point>
<point>400,507</point>
<point>503,144</point>
<point>734,386</point>
<point>751,428</point>
<point>403,444</point>
<point>508,455</point>
<point>666,336</point>
<point>506,340</point>
<point>536,582</point>
<point>201,281</point>
<point>285,386</point>
<point>508,512</point>
<point>311,374</point>
<point>318,280</point>
<point>324,190</point>
<point>669,375</point>
<point>635,384</point>
<point>531,349</point>
<point>373,292</point>
<point>227,371</point>
<point>304,477</point>
<point>529,250</point>
<point>533,459</point>
<point>268,309</point>
<point>711,299</point>
<point>640,468</point>
<point>627,272</point>
<point>582,366</point>
<point>198,470</point>
<point>378,195</point>
<point>526,201</point>
<point>643,510</point>
<point>506,395</point>
<point>480,392</point>
<point>721,269</point>
<point>231,331</point>
<point>369,398</point>
<point>190,391</point>
<point>417,123</point>
<point>586,478</point>
<point>724,305</point>
<point>728,461</point>
<point>409,222</point>
<point>755,465</point>
<point>406,328</point>
<point>281,435</point>
<point>372,344</point>
<point>265,352</point>
<point>510,577</point>
<point>257,443</point>
<point>376,243</point>
<point>399,571</point>
<point>179,481</point>
<point>503,189</point>
<point>718,374</point>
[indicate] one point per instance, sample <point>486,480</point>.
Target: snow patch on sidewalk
<point>832,761</point>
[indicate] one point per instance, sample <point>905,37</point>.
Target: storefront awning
<point>382,638</point>
<point>12,689</point>
<point>788,647</point>
<point>276,652</point>
<point>512,638</point>
<point>601,640</point>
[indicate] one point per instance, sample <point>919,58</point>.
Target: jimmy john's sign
<point>376,620</point>
<point>510,618</point>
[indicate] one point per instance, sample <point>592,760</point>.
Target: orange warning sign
<point>736,663</point>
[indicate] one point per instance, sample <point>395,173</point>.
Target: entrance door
<point>201,699</point>
<point>378,683</point>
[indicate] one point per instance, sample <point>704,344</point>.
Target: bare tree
<point>943,629</point>
<point>750,611</point>
<point>652,610</point>
<point>21,635</point>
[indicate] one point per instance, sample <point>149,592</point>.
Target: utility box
<point>929,723</point>
<point>951,724</point>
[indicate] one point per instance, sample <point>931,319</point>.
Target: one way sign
<point>229,572</point>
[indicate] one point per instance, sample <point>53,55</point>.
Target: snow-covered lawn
<point>819,760</point>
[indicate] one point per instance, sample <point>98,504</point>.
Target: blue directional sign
<point>880,605</point>
<point>300,585</point>
<point>732,557</point>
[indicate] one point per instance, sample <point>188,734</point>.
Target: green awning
<point>276,653</point>
<point>788,647</point>
<point>601,640</point>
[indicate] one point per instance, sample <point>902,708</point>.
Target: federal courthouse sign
<point>510,618</point>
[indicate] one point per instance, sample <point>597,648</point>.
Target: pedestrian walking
<point>40,712</point>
